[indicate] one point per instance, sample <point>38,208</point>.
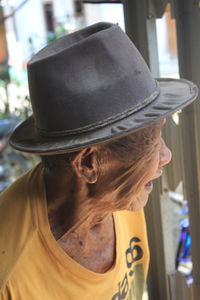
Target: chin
<point>139,201</point>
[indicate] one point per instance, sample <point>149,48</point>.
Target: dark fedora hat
<point>92,86</point>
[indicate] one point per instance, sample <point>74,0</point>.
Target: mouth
<point>149,185</point>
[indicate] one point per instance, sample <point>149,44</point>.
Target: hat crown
<point>88,79</point>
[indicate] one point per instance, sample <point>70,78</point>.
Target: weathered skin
<point>81,220</point>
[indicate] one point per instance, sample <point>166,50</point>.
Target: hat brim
<point>174,95</point>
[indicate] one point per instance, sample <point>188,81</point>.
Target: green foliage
<point>59,31</point>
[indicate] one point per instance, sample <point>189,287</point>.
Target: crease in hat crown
<point>78,37</point>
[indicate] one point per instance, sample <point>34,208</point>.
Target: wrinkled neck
<point>70,208</point>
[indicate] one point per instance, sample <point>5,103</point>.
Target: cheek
<point>149,170</point>
<point>152,165</point>
<point>133,183</point>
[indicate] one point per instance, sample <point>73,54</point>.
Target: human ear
<point>85,165</point>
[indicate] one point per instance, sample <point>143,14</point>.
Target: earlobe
<point>85,165</point>
<point>92,177</point>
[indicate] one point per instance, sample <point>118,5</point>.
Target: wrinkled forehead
<point>137,144</point>
<point>150,130</point>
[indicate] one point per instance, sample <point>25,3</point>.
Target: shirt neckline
<point>60,255</point>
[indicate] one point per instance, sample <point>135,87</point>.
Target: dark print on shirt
<point>132,284</point>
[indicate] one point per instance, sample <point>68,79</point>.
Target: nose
<point>165,154</point>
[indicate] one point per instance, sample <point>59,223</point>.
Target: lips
<point>149,185</point>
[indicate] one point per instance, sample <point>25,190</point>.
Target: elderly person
<point>73,227</point>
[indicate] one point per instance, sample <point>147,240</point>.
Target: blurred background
<point>168,43</point>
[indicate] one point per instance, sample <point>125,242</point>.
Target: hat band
<point>104,122</point>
